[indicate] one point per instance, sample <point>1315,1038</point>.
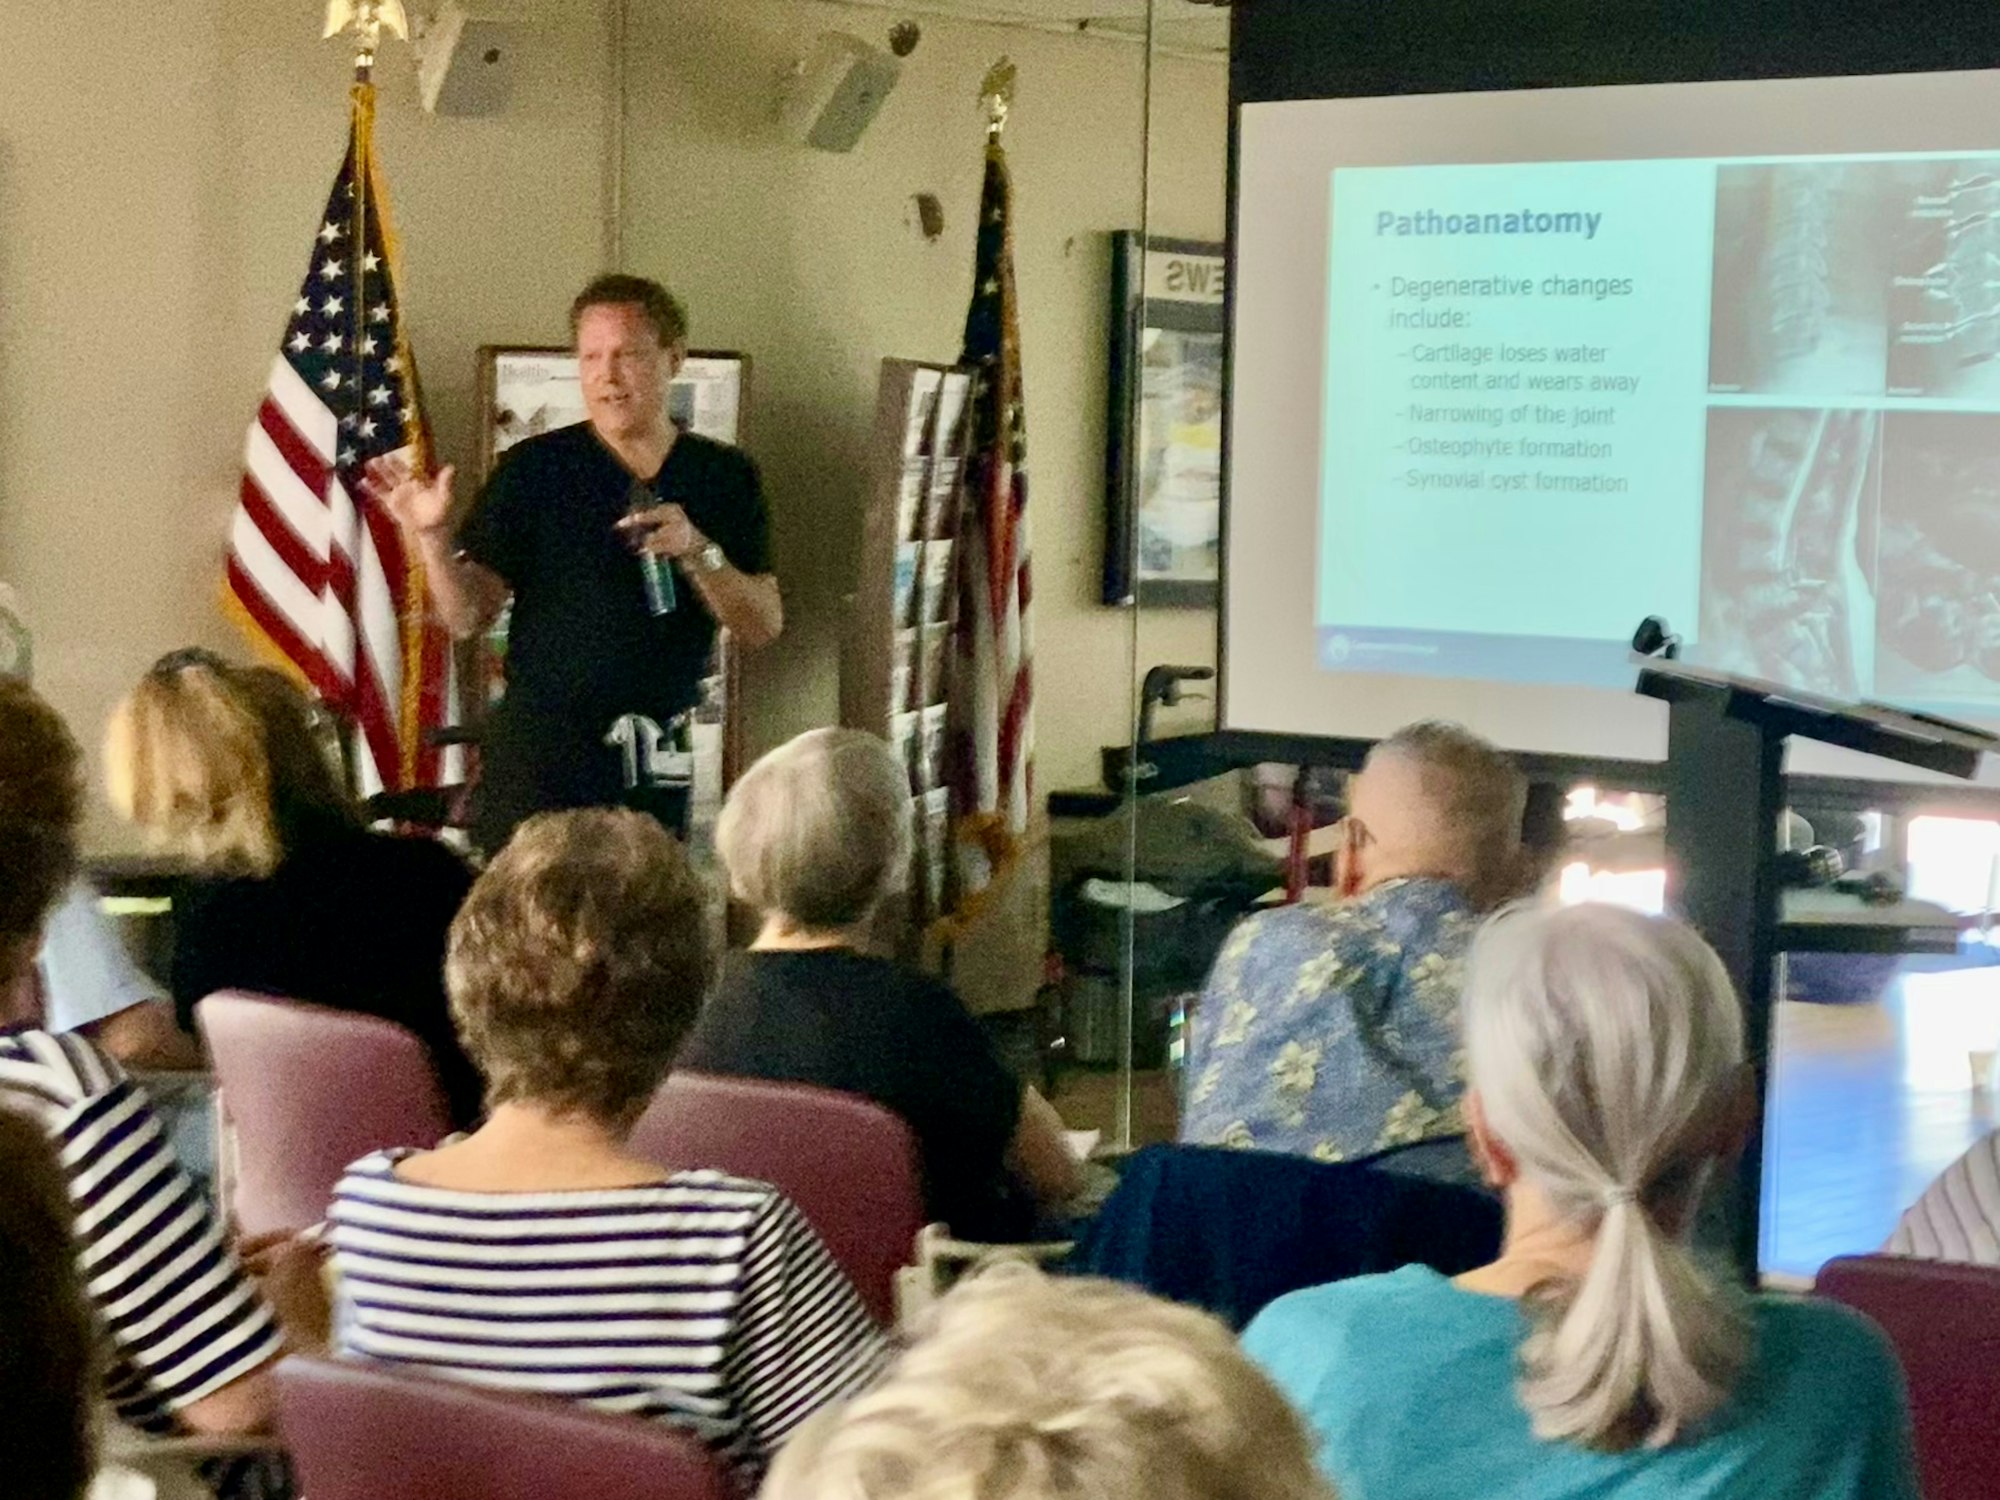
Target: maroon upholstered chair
<point>850,1165</point>
<point>308,1089</point>
<point>1944,1321</point>
<point>370,1432</point>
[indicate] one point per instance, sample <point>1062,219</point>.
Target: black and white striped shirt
<point>704,1299</point>
<point>1958,1216</point>
<point>181,1319</point>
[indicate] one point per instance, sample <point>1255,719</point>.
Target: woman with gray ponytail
<point>1595,1358</point>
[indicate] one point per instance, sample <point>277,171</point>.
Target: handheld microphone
<point>661,596</point>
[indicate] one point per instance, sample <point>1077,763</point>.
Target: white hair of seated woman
<point>1604,1048</point>
<point>818,830</point>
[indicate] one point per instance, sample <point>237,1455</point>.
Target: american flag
<point>316,572</point>
<point>991,717</point>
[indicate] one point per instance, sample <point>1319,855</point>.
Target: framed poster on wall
<point>526,389</point>
<point>1163,448</point>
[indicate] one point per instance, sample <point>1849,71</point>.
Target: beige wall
<point>160,170</point>
<point>809,261</point>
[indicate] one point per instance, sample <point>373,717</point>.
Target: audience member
<point>91,985</point>
<point>816,835</point>
<point>1332,1030</point>
<point>537,1254</point>
<point>1958,1216</point>
<point>47,1381</point>
<point>1027,1388</point>
<point>189,1341</point>
<point>292,897</point>
<point>1594,1357</point>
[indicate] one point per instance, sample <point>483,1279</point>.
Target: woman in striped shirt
<point>537,1254</point>
<point>188,1340</point>
<point>1958,1216</point>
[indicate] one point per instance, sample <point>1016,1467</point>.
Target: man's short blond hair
<point>1025,1387</point>
<point>818,830</point>
<point>1475,795</point>
<point>579,962</point>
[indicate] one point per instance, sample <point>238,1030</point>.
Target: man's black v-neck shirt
<point>583,650</point>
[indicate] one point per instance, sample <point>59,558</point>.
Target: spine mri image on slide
<point>1787,537</point>
<point>1800,299</point>
<point>1856,551</point>
<point>1938,559</point>
<point>1946,288</point>
<point>1857,278</point>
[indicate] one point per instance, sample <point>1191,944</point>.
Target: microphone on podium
<point>1653,638</point>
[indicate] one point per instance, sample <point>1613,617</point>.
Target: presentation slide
<point>1741,370</point>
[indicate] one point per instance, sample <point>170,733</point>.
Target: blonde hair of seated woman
<point>220,764</point>
<point>1021,1386</point>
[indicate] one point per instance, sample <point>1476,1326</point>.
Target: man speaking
<point>623,542</point>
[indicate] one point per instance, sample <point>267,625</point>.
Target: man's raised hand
<point>418,504</point>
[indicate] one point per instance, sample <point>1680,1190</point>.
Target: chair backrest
<point>1944,1321</point>
<point>1231,1231</point>
<point>850,1165</point>
<point>307,1090</point>
<point>369,1432</point>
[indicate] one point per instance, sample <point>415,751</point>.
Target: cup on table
<point>1982,1069</point>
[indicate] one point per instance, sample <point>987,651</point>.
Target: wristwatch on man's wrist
<point>706,559</point>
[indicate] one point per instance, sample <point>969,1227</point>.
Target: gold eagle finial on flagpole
<point>996,92</point>
<point>367,19</point>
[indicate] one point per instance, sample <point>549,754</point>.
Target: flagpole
<point>366,20</point>
<point>996,97</point>
<point>362,127</point>
<point>996,92</point>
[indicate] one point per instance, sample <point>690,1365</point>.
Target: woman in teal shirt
<point>1594,1360</point>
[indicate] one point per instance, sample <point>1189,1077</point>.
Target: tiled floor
<point>1868,1103</point>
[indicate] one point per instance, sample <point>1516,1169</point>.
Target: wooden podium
<point>1725,795</point>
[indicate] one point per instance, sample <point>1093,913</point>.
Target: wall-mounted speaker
<point>465,64</point>
<point>834,93</point>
